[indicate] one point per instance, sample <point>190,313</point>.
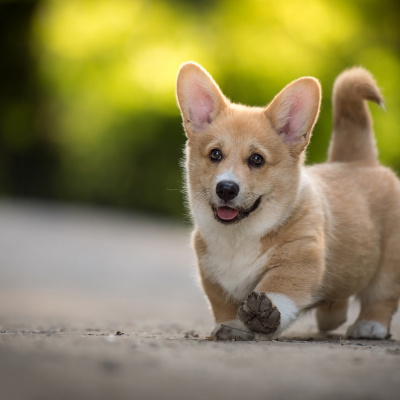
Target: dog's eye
<point>256,160</point>
<point>215,155</point>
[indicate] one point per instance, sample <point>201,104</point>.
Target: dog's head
<point>243,161</point>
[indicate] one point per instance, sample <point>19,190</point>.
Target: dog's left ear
<point>199,97</point>
<point>294,112</point>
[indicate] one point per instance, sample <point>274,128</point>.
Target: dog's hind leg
<point>374,320</point>
<point>331,316</point>
<point>379,299</point>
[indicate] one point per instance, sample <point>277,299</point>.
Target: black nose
<point>227,190</point>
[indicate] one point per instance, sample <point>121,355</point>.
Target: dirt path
<point>103,305</point>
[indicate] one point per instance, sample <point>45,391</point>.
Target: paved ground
<point>104,305</point>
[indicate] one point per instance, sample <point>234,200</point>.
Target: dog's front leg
<point>285,290</point>
<point>225,310</point>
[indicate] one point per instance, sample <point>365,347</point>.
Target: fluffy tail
<point>353,137</point>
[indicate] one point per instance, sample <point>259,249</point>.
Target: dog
<point>273,237</point>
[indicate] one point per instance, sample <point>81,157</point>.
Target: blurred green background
<point>87,105</point>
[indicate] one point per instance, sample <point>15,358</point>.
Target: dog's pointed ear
<point>294,112</point>
<point>199,97</point>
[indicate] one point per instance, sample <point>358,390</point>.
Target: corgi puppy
<point>273,237</point>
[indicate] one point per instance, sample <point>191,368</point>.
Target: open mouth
<point>229,215</point>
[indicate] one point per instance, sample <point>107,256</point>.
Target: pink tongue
<point>227,213</point>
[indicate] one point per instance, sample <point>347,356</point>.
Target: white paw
<point>236,330</point>
<point>288,309</point>
<point>367,330</point>
<point>232,330</point>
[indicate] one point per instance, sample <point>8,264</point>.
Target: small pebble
<point>110,338</point>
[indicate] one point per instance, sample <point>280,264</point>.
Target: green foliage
<point>105,113</point>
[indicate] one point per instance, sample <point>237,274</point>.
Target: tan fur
<point>223,307</point>
<point>320,234</point>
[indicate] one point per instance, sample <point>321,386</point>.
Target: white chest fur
<point>234,261</point>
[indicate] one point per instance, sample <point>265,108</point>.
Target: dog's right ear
<point>199,97</point>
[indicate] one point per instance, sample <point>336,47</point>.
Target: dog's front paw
<point>259,314</point>
<point>232,330</point>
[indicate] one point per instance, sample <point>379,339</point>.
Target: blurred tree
<point>88,107</point>
<point>28,161</point>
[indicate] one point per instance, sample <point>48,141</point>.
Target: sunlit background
<point>87,104</point>
<point>92,242</point>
